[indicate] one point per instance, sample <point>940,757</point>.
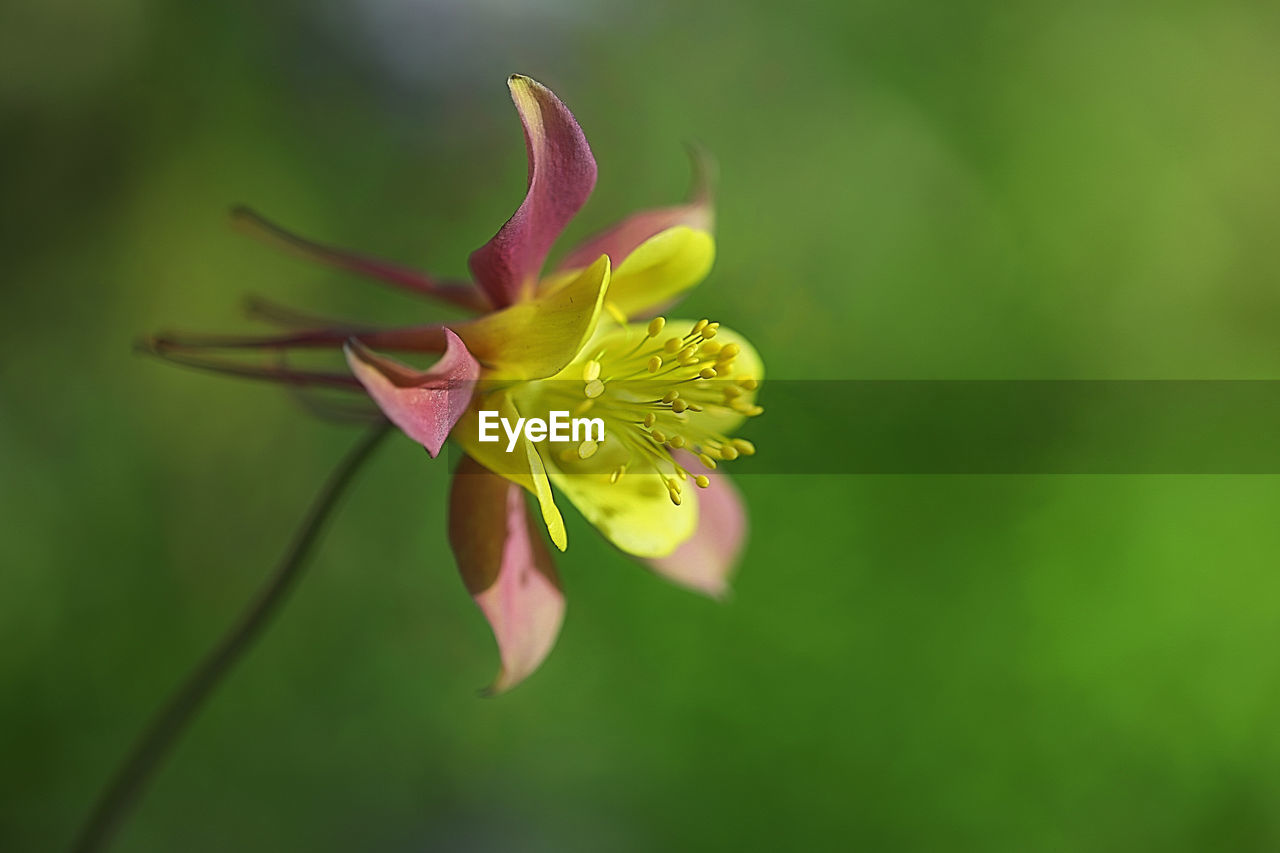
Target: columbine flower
<point>671,393</point>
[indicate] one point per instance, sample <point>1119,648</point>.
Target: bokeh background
<point>975,189</point>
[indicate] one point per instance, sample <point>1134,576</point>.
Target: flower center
<point>657,393</point>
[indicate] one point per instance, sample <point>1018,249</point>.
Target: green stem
<point>130,781</point>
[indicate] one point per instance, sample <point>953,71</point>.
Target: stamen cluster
<point>658,394</point>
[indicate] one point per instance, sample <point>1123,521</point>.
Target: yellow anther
<point>658,436</point>
<point>587,449</point>
<point>591,371</point>
<point>748,383</point>
<point>724,366</point>
<point>655,364</point>
<point>655,326</point>
<point>675,497</point>
<point>650,419</point>
<point>744,447</point>
<point>672,346</point>
<point>702,480</point>
<point>754,410</point>
<point>699,326</point>
<point>615,312</point>
<point>688,355</point>
<point>670,396</point>
<point>732,391</point>
<point>593,389</point>
<point>678,406</point>
<point>617,473</point>
<point>707,461</point>
<point>729,351</point>
<point>709,348</point>
<point>583,407</point>
<point>728,453</point>
<point>673,485</point>
<point>694,407</point>
<point>707,373</point>
<point>710,330</point>
<point>676,441</point>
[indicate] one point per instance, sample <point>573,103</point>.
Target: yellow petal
<point>661,269</point>
<point>635,513</point>
<point>536,338</point>
<point>522,466</point>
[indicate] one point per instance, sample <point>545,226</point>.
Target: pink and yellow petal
<point>424,404</point>
<point>562,174</point>
<point>538,337</point>
<point>506,568</point>
<point>522,466</point>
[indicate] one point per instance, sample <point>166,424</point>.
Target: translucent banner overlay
<point>1007,427</point>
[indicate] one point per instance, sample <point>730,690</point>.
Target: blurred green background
<point>978,189</point>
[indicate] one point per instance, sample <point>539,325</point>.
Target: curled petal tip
<point>562,174</point>
<point>425,405</point>
<point>705,170</point>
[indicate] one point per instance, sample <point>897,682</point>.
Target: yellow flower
<point>670,394</point>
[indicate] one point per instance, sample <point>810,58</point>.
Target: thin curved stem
<point>122,793</point>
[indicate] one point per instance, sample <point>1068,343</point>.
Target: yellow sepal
<point>536,338</point>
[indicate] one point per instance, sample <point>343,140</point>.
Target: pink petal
<point>507,569</point>
<point>705,561</point>
<point>425,404</point>
<point>562,174</point>
<point>622,239</point>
